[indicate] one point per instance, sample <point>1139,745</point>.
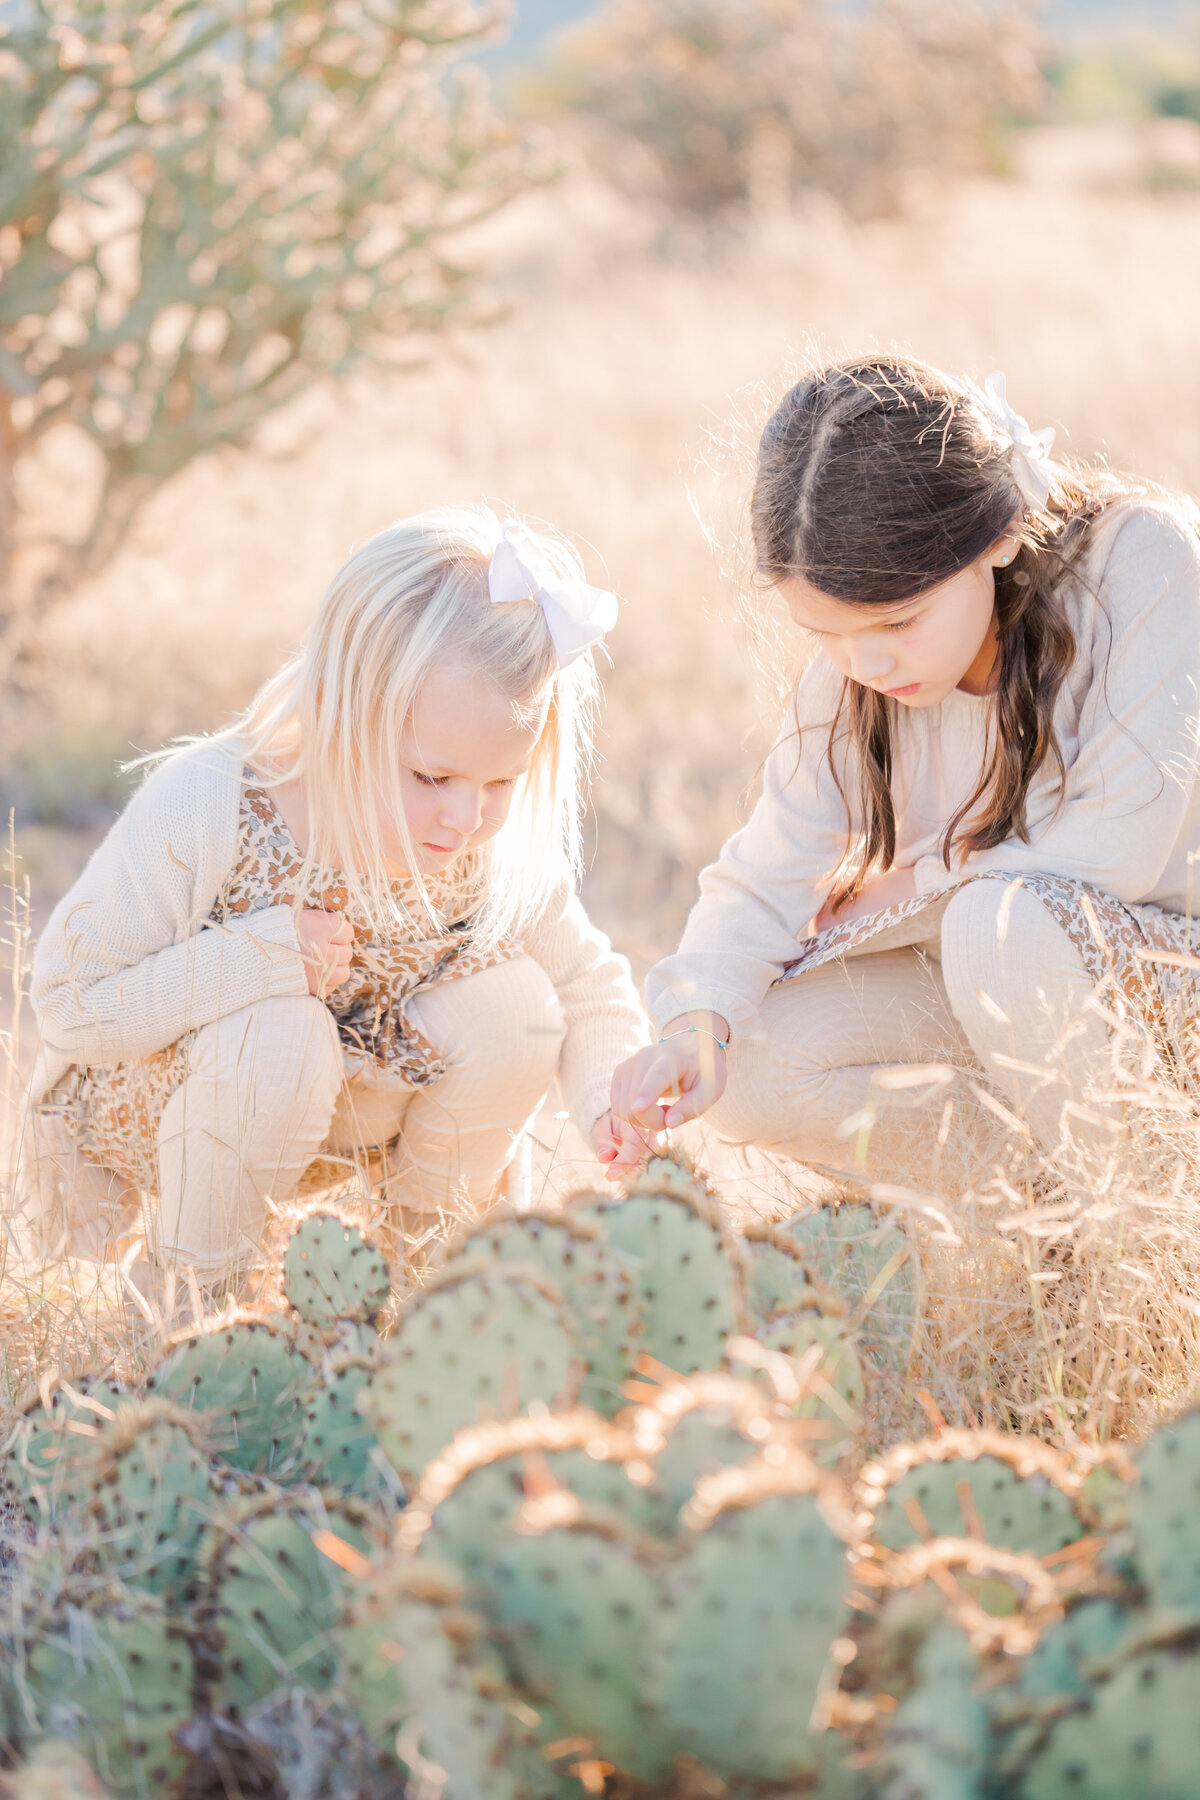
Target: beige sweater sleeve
<point>129,960</point>
<point>605,1020</point>
<point>759,898</point>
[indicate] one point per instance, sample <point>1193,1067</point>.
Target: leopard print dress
<point>115,1109</point>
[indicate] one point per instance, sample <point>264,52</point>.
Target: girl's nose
<point>869,665</point>
<point>463,811</point>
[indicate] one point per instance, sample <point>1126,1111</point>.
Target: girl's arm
<point>1133,784</point>
<point>129,960</point>
<point>605,1020</point>
<point>759,898</point>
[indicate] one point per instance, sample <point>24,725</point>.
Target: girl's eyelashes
<point>900,624</point>
<point>437,781</point>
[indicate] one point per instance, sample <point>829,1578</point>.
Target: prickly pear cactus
<point>697,1426</point>
<point>338,1442</point>
<point>250,1376</point>
<point>331,1272</point>
<point>744,1641</point>
<point>49,1446</point>
<point>273,1598</point>
<point>831,1377</point>
<point>594,1282</point>
<point>481,1342</point>
<point>576,1606</point>
<point>1002,1488</point>
<point>151,1494</point>
<point>868,1263</point>
<point>117,1684</point>
<point>938,1739</point>
<point>1164,1514</point>
<point>778,1281</point>
<point>417,1670</point>
<point>1059,1661</point>
<point>472,1524</point>
<point>1138,1734</point>
<point>686,1278</point>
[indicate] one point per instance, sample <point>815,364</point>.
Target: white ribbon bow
<point>577,615</point>
<point>1031,463</point>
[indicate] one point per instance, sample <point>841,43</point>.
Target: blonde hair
<point>334,715</point>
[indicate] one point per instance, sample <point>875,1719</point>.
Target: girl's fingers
<point>660,1077</point>
<point>689,1106</point>
<point>628,1081</point>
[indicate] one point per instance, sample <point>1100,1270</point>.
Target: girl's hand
<point>617,1143</point>
<point>327,944</point>
<point>886,890</point>
<point>687,1067</point>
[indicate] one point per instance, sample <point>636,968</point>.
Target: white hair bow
<point>1031,464</point>
<point>577,615</point>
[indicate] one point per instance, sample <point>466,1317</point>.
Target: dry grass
<point>619,400</point>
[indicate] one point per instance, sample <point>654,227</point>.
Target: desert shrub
<point>742,100</point>
<point>206,206</point>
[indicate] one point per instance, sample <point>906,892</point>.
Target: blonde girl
<point>973,847</point>
<point>348,920</point>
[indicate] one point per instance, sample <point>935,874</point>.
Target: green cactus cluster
<point>574,1515</point>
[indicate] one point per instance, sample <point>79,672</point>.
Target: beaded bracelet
<point>721,1043</point>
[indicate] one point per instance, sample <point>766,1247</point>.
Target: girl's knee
<point>508,1016</point>
<point>999,941</point>
<point>282,1051</point>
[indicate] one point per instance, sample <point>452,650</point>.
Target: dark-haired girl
<point>956,925</point>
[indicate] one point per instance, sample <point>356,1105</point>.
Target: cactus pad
<point>117,1685</point>
<point>685,1279</point>
<point>1140,1735</point>
<point>474,1522</point>
<point>331,1272</point>
<point>47,1451</point>
<point>337,1439</point>
<point>954,1498</point>
<point>419,1674</point>
<point>868,1263</point>
<point>744,1642</point>
<point>151,1495</point>
<point>777,1276</point>
<point>1164,1514</point>
<point>835,1383</point>
<point>1059,1661</point>
<point>576,1607</point>
<point>937,1740</point>
<point>274,1599</point>
<point>250,1376</point>
<point>480,1344</point>
<point>595,1285</point>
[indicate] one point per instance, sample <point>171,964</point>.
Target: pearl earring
<point>1004,561</point>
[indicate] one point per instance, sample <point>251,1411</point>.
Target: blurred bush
<point>1151,75</point>
<point>752,101</point>
<point>204,206</point>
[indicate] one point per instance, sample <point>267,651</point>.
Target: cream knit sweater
<point>130,959</point>
<point>1126,720</point>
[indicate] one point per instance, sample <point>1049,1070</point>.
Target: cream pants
<point>269,1088</point>
<point>997,993</point>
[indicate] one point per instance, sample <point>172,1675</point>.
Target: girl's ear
<point>1003,551</point>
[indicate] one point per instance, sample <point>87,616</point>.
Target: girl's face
<point>463,752</point>
<point>916,651</point>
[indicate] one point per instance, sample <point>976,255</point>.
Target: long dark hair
<point>881,478</point>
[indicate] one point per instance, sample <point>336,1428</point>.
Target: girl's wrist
<point>702,1023</point>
